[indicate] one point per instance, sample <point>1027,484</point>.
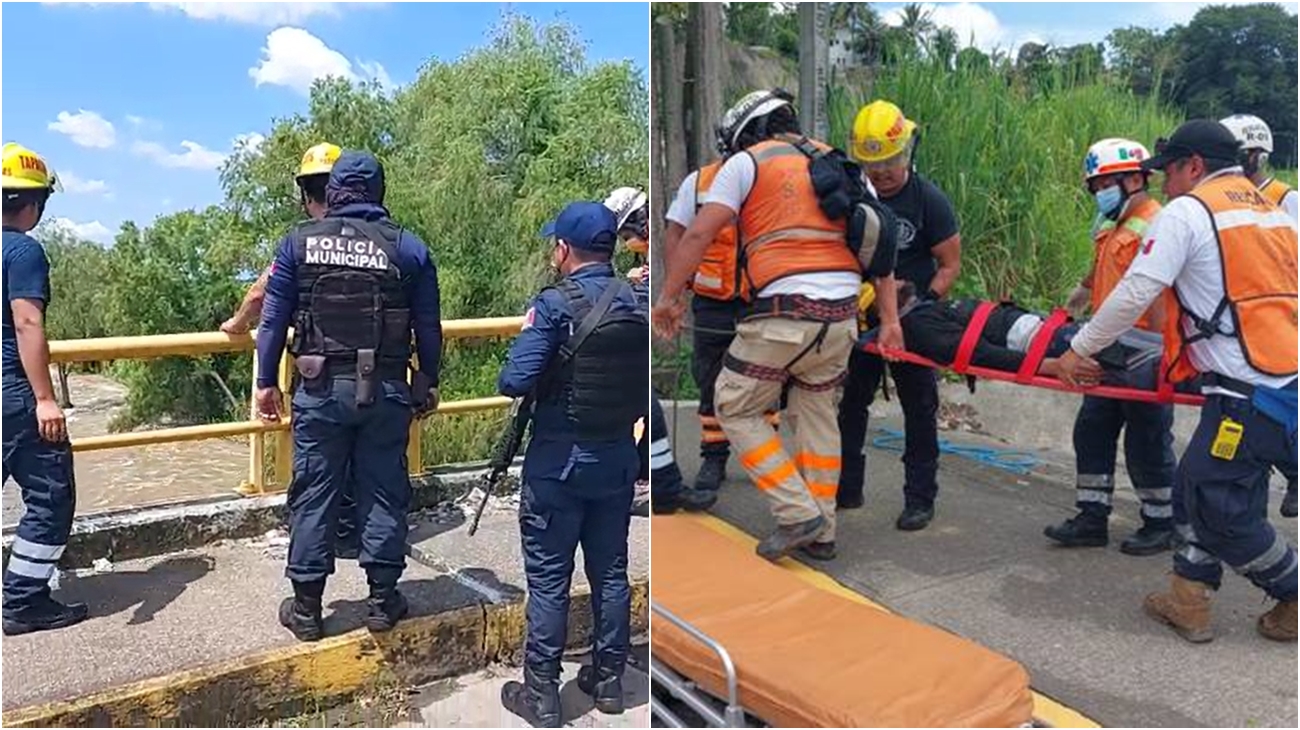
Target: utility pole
<point>814,62</point>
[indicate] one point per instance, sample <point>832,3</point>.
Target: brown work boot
<point>1186,608</point>
<point>787,538</point>
<point>1279,623</point>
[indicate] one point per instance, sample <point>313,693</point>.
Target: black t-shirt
<point>925,219</point>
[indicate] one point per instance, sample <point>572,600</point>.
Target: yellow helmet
<point>26,170</point>
<point>319,160</point>
<point>880,132</point>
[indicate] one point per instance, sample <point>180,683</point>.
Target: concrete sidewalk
<point>1073,618</point>
<point>175,617</point>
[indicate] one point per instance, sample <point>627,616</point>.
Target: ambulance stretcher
<point>1028,373</point>
<point>728,628</point>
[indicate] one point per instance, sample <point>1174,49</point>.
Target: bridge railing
<point>207,343</point>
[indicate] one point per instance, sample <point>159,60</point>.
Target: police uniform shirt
<point>925,219</point>
<point>26,276</point>
<point>1180,250</point>
<point>731,187</point>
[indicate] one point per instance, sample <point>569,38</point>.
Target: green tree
<point>1242,59</point>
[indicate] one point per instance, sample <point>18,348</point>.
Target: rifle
<point>507,446</point>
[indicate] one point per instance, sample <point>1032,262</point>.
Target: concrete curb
<point>144,532</point>
<point>302,678</point>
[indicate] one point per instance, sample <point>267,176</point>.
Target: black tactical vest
<point>350,293</point>
<point>602,373</point>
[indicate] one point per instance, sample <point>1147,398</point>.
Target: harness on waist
<point>601,373</point>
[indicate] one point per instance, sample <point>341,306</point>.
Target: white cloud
<point>92,231</point>
<point>133,119</point>
<point>74,184</point>
<point>294,58</point>
<point>969,20</point>
<point>195,156</point>
<point>87,129</point>
<point>252,140</point>
<point>253,13</point>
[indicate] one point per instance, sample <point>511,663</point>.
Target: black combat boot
<point>1149,539</point>
<point>1086,529</point>
<point>385,607</point>
<point>537,699</point>
<point>302,613</point>
<point>713,471</point>
<point>44,614</point>
<point>604,684</point>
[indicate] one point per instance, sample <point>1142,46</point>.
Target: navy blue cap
<point>586,225</point>
<point>357,177</point>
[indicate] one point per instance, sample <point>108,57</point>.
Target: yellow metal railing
<point>207,343</point>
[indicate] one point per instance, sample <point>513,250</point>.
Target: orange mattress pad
<point>806,657</point>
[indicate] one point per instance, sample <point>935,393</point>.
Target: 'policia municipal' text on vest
<point>601,374</point>
<point>351,295</point>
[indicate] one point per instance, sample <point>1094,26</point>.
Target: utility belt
<point>800,307</point>
<point>1277,404</point>
<point>365,367</point>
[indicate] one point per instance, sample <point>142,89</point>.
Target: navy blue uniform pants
<point>573,497</point>
<point>666,479</point>
<point>1148,454</point>
<point>333,436</point>
<point>918,392</point>
<point>44,474</point>
<point>1221,506</point>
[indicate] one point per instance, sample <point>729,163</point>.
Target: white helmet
<point>754,105</point>
<point>1113,155</point>
<point>624,202</point>
<point>1252,133</point>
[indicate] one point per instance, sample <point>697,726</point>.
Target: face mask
<point>1109,201</point>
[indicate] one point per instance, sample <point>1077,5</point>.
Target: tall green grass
<point>1009,154</point>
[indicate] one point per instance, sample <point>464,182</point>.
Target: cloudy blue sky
<point>1009,24</point>
<point>136,105</point>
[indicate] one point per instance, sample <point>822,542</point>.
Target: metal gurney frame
<point>688,691</point>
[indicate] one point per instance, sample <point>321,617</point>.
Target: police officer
<point>584,353</point>
<point>1112,171</point>
<point>1256,141</point>
<point>800,327</point>
<point>929,255</point>
<point>355,286</point>
<point>1230,256</point>
<point>313,174</point>
<point>36,448</point>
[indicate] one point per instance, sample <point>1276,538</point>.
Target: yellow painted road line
<point>1046,709</point>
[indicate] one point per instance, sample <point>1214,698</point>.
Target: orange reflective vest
<point>719,275</point>
<point>1274,190</point>
<point>783,231</point>
<point>1257,248</point>
<point>1117,245</point>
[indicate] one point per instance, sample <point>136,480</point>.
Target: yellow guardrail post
<point>284,440</point>
<point>256,447</point>
<point>414,455</point>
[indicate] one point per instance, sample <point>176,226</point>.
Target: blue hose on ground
<point>1016,462</point>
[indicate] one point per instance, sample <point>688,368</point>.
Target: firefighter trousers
<point>810,357</point>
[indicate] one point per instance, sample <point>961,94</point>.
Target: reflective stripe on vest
<point>1257,249</point>
<point>1116,247</point>
<point>782,228</point>
<point>1275,191</point>
<point>719,274</point>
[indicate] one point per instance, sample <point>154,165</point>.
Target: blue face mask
<point>1109,201</point>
